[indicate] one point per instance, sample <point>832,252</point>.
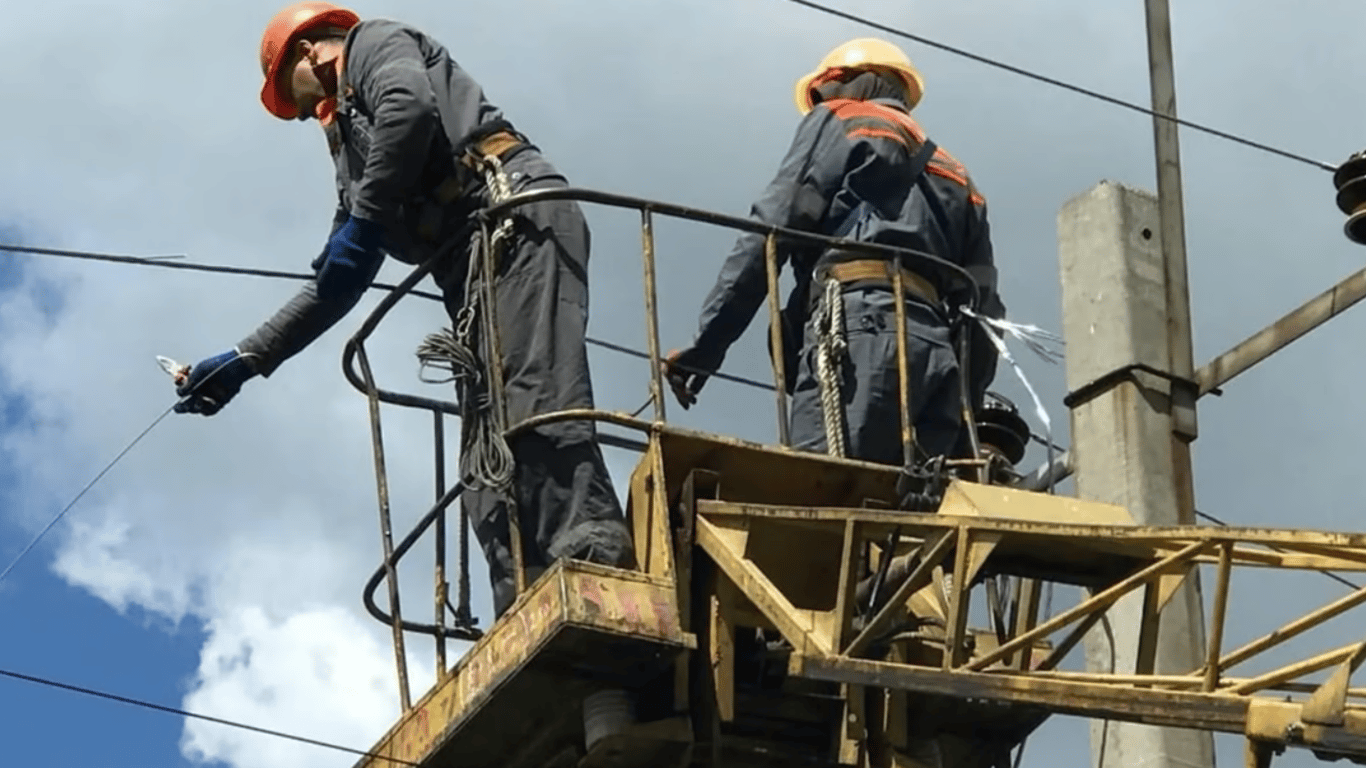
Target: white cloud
<point>93,557</point>
<point>318,674</point>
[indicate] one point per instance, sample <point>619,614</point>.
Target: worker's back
<point>886,197</point>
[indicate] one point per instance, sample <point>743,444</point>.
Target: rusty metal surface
<point>1278,722</point>
<point>775,337</point>
<point>789,568</point>
<point>781,547</point>
<point>1154,707</point>
<point>465,627</point>
<point>387,537</point>
<point>570,595</point>
<point>441,586</point>
<point>647,237</point>
<point>1108,538</point>
<point>992,529</point>
<point>903,372</point>
<point>922,260</point>
<point>1275,337</point>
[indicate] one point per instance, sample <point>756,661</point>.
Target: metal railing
<point>465,624</point>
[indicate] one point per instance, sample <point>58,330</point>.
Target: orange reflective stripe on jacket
<point>867,119</point>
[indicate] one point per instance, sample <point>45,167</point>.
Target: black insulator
<point>1001,428</point>
<point>1350,181</point>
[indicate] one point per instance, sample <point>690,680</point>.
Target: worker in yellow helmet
<point>418,149</point>
<point>860,167</point>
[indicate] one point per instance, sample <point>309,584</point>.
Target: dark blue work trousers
<point>869,381</point>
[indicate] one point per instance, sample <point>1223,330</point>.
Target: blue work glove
<point>351,259</point>
<point>212,382</point>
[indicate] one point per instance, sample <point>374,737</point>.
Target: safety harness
<point>466,349</point>
<point>833,271</point>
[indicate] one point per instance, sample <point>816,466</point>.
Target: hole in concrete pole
<point>1147,234</point>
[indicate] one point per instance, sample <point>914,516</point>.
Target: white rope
<point>830,347</point>
<point>500,189</point>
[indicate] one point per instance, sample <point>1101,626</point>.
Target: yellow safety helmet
<point>865,53</point>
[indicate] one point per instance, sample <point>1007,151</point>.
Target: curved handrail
<point>581,194</point>
<point>580,414</point>
<point>368,326</point>
<point>460,633</point>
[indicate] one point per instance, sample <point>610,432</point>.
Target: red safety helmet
<point>281,33</point>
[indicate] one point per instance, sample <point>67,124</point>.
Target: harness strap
<point>492,146</point>
<point>860,270</point>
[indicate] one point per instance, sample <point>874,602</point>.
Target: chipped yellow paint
<point>573,593</point>
<point>966,499</point>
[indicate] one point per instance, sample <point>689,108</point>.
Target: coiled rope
<point>486,461</point>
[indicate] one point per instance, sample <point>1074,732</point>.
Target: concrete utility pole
<point>1171,213</point>
<point>1115,297</point>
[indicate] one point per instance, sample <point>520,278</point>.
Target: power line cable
<point>145,261</point>
<point>1335,577</point>
<point>196,715</point>
<point>188,394</point>
<point>717,374</point>
<point>160,261</point>
<point>85,490</point>
<point>1065,85</point>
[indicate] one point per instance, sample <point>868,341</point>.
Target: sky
<point>218,567</point>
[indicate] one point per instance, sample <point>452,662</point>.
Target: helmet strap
<point>326,72</point>
<point>326,111</point>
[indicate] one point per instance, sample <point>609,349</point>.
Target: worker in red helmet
<point>860,167</point>
<point>418,149</point>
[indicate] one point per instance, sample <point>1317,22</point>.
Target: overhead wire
<point>162,261</point>
<point>157,261</point>
<point>197,716</point>
<point>1064,84</point>
<point>108,467</point>
<point>85,490</point>
<point>1335,577</point>
<point>276,274</point>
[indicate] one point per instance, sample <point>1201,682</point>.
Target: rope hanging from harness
<point>486,461</point>
<point>830,347</point>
